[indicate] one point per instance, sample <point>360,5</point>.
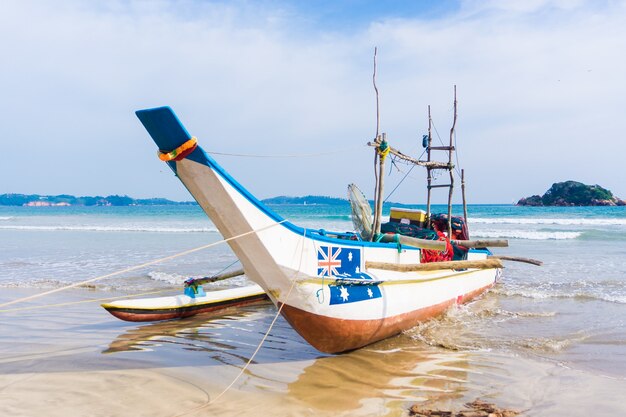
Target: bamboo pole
<point>377,175</point>
<point>379,191</point>
<point>376,89</point>
<point>439,245</point>
<point>431,164</point>
<point>435,266</point>
<point>220,277</point>
<point>429,176</point>
<point>500,243</point>
<point>464,200</point>
<point>451,171</point>
<point>517,259</point>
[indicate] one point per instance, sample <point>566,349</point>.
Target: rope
<point>305,155</point>
<point>133,268</point>
<point>399,183</point>
<point>383,150</point>
<point>437,132</point>
<point>91,300</point>
<point>94,300</point>
<point>258,348</point>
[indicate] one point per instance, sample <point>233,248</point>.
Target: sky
<point>541,88</point>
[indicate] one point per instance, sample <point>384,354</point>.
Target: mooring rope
<point>91,300</point>
<point>95,300</point>
<point>133,268</point>
<point>258,348</point>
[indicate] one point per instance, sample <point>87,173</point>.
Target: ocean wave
<point>168,278</point>
<point>526,234</point>
<point>609,291</point>
<point>550,345</point>
<point>85,228</point>
<point>579,221</point>
<point>177,279</point>
<point>464,328</point>
<point>5,218</point>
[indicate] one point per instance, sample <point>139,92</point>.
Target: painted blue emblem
<point>340,263</point>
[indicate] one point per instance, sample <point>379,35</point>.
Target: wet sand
<point>79,360</point>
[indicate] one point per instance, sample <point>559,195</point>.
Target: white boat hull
<point>321,281</point>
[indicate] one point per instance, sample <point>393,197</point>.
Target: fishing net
<point>361,212</point>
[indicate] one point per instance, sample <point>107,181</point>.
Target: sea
<point>548,340</point>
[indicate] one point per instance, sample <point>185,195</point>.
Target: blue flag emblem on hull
<point>339,263</point>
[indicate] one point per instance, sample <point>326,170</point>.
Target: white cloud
<point>539,87</point>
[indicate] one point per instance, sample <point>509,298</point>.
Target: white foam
<point>578,221</point>
<point>542,294</point>
<point>88,228</point>
<point>173,279</point>
<point>5,218</point>
<point>525,234</point>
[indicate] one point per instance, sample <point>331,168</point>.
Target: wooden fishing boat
<point>183,305</point>
<point>337,290</point>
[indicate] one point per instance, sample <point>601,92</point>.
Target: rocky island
<point>573,193</point>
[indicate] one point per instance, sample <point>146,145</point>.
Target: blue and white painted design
<point>338,262</point>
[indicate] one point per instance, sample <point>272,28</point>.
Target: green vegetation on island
<point>573,193</point>
<point>37,200</point>
<point>308,199</point>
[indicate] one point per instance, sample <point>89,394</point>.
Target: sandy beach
<point>79,360</point>
<point>548,341</point>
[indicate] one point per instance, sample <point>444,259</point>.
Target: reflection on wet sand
<point>386,377</point>
<point>199,333</point>
<point>394,372</point>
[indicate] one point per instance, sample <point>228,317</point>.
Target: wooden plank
<point>517,259</point>
<point>221,277</point>
<point>428,164</point>
<point>378,213</point>
<point>499,243</point>
<point>439,245</point>
<point>436,266</point>
<point>442,148</point>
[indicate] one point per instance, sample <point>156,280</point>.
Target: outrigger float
<point>193,301</point>
<point>339,291</point>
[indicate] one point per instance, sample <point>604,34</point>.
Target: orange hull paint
<point>331,335</point>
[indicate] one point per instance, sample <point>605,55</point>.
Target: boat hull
<point>328,294</point>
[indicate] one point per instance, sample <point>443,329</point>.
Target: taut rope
<point>133,268</point>
<point>269,329</point>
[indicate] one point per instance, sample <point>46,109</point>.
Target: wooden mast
<point>464,200</point>
<point>429,175</point>
<point>451,170</point>
<point>382,149</point>
<point>381,183</point>
<point>379,159</point>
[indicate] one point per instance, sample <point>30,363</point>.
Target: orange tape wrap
<point>181,152</point>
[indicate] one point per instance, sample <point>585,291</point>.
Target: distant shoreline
<point>66,200</point>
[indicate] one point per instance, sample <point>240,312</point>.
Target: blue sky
<point>540,82</point>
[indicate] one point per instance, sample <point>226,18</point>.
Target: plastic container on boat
<point>408,216</point>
